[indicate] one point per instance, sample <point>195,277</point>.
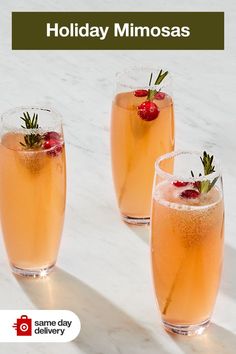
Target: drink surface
<point>32,202</point>
<point>135,145</point>
<point>187,252</point>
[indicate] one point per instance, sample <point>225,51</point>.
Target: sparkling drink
<point>32,192</point>
<point>187,250</point>
<point>136,142</point>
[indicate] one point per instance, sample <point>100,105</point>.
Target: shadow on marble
<point>105,328</point>
<point>143,232</point>
<point>216,340</point>
<point>228,284</point>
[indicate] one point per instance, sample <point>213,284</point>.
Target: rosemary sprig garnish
<point>32,140</point>
<point>159,79</point>
<point>207,185</point>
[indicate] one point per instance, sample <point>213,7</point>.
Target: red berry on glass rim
<point>190,194</point>
<point>180,184</point>
<point>141,93</point>
<point>56,151</point>
<point>148,110</point>
<point>54,145</point>
<point>197,184</point>
<point>48,144</point>
<point>52,135</point>
<point>160,95</point>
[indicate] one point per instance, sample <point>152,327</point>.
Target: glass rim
<point>130,69</point>
<point>57,117</point>
<point>56,125</point>
<point>160,172</point>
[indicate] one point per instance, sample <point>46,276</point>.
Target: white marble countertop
<point>103,271</point>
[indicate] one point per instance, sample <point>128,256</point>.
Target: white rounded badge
<point>38,326</point>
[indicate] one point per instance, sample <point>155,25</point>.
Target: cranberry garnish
<point>190,194</point>
<point>54,145</point>
<point>197,184</point>
<point>48,144</point>
<point>141,93</point>
<point>148,110</point>
<point>56,151</point>
<point>160,95</point>
<point>180,184</point>
<point>52,135</point>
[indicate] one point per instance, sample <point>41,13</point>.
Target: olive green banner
<point>118,30</point>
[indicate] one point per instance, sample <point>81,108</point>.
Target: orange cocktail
<point>32,190</point>
<point>142,128</point>
<point>187,248</point>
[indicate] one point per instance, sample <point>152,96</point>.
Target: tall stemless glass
<point>140,132</point>
<point>32,188</point>
<point>187,240</point>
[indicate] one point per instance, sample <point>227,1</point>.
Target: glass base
<point>32,273</point>
<point>136,221</point>
<point>187,330</point>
